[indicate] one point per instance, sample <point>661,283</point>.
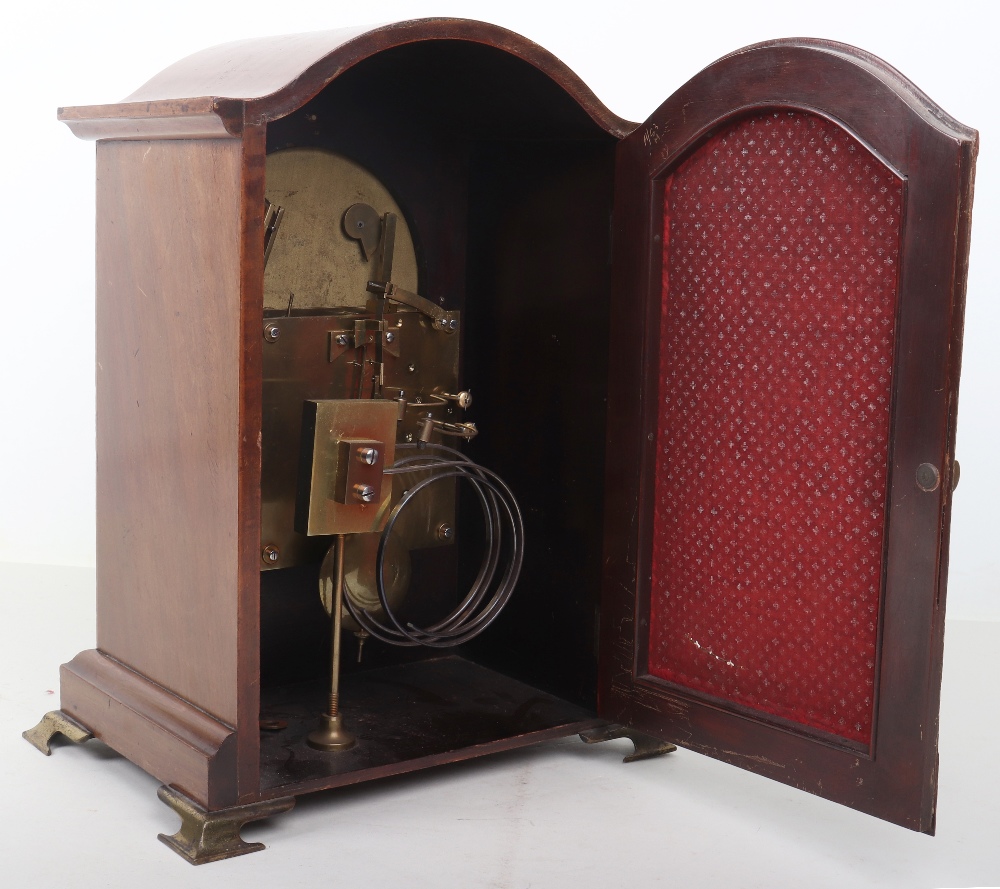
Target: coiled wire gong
<point>494,583</point>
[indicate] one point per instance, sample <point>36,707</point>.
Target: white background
<point>555,815</point>
<point>632,54</point>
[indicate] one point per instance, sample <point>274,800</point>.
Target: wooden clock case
<point>540,215</point>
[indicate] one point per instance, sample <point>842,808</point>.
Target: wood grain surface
<point>169,353</point>
<point>273,76</point>
<point>161,733</point>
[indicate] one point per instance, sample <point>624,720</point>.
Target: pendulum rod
<point>331,734</point>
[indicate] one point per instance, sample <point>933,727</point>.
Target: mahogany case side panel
<point>169,353</point>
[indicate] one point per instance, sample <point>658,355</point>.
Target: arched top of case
<point>218,90</point>
<point>854,88</point>
<point>872,65</point>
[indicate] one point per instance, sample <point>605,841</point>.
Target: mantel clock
<point>440,411</point>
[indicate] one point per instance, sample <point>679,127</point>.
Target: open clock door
<point>790,247</point>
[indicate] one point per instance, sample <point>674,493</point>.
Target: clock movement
<point>440,411</point>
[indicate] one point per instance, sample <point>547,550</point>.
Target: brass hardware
<point>462,399</point>
<point>55,722</point>
<point>331,736</point>
<point>445,532</point>
<point>270,554</point>
<point>357,477</point>
<point>443,320</point>
<point>366,331</point>
<point>362,638</point>
<point>332,429</point>
<point>956,473</point>
<point>213,836</point>
<point>428,426</point>
<point>362,222</point>
<point>646,746</point>
<point>273,214</point>
<point>928,477</point>
<point>271,332</point>
<point>386,248</point>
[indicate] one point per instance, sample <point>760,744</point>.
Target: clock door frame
<point>894,775</point>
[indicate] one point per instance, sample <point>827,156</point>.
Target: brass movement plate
<point>323,340</point>
<point>304,362</point>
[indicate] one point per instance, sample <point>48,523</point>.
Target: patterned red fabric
<point>781,246</point>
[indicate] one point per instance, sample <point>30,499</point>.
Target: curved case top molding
<point>213,92</point>
<point>908,91</point>
<point>787,73</point>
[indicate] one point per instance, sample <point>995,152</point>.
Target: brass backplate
<point>326,425</point>
<point>304,362</point>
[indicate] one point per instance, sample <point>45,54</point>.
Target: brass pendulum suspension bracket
<point>331,735</point>
<point>212,836</point>
<point>646,746</point>
<point>55,722</point>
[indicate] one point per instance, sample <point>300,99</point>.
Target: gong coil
<point>496,579</point>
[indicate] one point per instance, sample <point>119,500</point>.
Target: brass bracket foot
<point>212,836</point>
<point>55,722</point>
<point>646,746</point>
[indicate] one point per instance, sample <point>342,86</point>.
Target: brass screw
<point>389,336</point>
<point>270,553</point>
<point>271,332</point>
<point>445,531</point>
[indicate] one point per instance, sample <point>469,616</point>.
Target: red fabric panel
<point>781,247</point>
